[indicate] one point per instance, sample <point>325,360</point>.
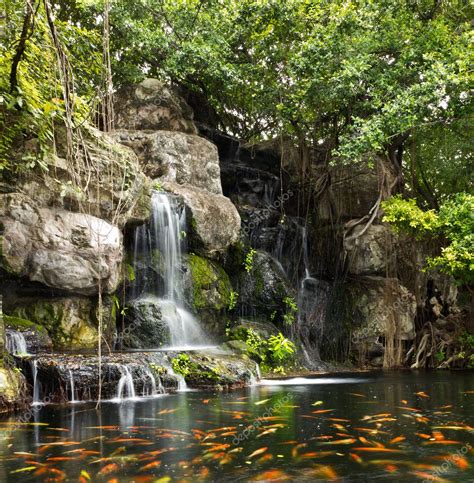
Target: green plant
<point>273,315</point>
<point>130,272</point>
<point>256,344</point>
<point>248,262</point>
<point>279,370</point>
<point>280,348</point>
<point>440,357</point>
<point>291,310</point>
<point>181,364</point>
<point>157,186</point>
<point>452,226</point>
<point>233,297</point>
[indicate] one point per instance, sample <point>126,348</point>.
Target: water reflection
<point>394,426</point>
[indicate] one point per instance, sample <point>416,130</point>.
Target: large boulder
<point>71,322</point>
<point>264,289</point>
<point>12,390</point>
<point>63,250</point>
<point>371,252</point>
<point>382,307</point>
<point>147,324</point>
<point>175,156</point>
<point>209,286</point>
<point>352,192</point>
<point>152,105</point>
<point>105,179</point>
<point>214,220</point>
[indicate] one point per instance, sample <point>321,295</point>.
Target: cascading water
<point>71,387</point>
<point>125,387</point>
<point>182,386</point>
<point>36,382</point>
<point>15,343</point>
<point>159,243</point>
<point>149,390</point>
<point>312,304</point>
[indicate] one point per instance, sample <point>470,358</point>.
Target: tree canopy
<point>342,79</point>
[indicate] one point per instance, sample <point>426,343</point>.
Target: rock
<point>371,253</point>
<point>377,361</point>
<point>36,336</point>
<point>263,329</point>
<point>59,248</point>
<point>264,288</point>
<point>152,105</point>
<point>146,325</point>
<point>71,322</point>
<point>211,369</point>
<point>176,157</point>
<point>109,185</point>
<point>214,220</point>
<point>54,373</point>
<point>382,307</point>
<point>12,390</point>
<point>148,370</point>
<point>237,346</point>
<point>209,287</point>
<point>353,190</point>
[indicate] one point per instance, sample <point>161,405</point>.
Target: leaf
<point>263,401</point>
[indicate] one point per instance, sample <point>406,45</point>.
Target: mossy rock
<point>71,322</point>
<point>21,325</point>
<point>217,370</point>
<point>237,346</point>
<point>12,389</point>
<point>211,287</point>
<point>264,287</point>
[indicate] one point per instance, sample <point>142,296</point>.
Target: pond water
<point>394,426</point>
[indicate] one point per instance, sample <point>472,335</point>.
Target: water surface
<point>395,426</point>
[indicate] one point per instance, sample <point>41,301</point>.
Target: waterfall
<point>166,227</point>
<point>15,343</point>
<point>151,391</point>
<point>125,384</point>
<point>36,383</point>
<point>258,372</point>
<point>182,386</point>
<point>160,244</point>
<point>71,385</point>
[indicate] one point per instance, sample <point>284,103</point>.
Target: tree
<point>453,225</point>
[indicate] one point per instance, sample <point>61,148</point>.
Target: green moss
<point>18,323</point>
<point>211,284</point>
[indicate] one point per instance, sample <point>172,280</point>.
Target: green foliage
<point>291,310</point>
<point>466,353</point>
<point>406,216</point>
<point>440,357</point>
<point>280,348</point>
<point>248,262</point>
<point>130,272</point>
<point>233,297</point>
<point>182,365</point>
<point>346,77</point>
<point>453,225</point>
<point>34,107</point>
<point>157,186</point>
<point>275,350</point>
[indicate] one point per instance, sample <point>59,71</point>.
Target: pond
<point>416,426</point>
